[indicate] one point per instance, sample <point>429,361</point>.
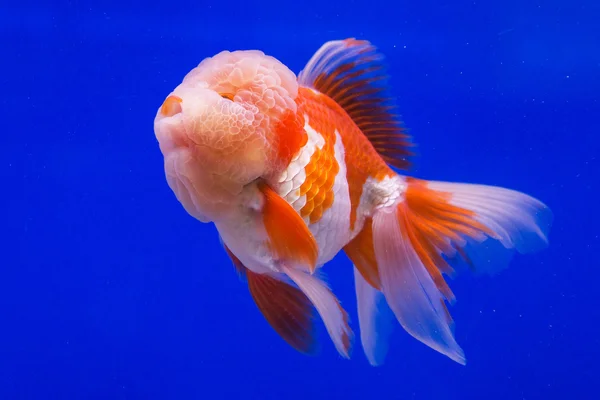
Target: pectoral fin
<point>289,237</point>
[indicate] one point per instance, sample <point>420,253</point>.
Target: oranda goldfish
<point>294,169</point>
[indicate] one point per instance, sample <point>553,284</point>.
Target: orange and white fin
<point>352,72</point>
<point>289,237</point>
<point>437,220</point>
<point>288,310</point>
<point>374,319</point>
<point>362,254</point>
<point>329,308</point>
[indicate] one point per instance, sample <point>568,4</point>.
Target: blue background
<point>109,290</point>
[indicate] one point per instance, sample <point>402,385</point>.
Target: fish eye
<point>228,96</point>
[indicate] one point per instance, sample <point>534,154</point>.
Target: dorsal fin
<point>352,73</point>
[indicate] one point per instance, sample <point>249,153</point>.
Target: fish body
<point>294,169</point>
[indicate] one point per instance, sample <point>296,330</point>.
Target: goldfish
<point>294,169</point>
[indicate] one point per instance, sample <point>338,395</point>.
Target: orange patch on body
<point>361,158</point>
<point>322,168</point>
<point>290,137</point>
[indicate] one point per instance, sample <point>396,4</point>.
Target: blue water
<point>109,290</point>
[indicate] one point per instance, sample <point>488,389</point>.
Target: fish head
<point>217,129</point>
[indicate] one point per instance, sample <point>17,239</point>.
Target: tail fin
<point>413,239</point>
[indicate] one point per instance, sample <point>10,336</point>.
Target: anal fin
<point>362,254</point>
